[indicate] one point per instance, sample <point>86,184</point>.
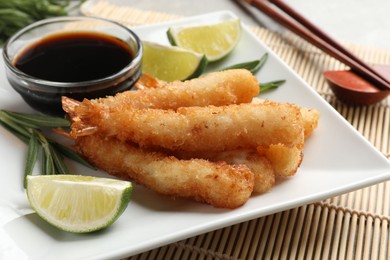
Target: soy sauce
<point>77,65</point>
<point>74,57</point>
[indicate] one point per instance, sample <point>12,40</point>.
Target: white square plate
<point>337,160</point>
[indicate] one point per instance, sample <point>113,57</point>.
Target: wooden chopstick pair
<point>292,20</point>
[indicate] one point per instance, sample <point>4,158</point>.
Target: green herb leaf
<point>27,127</point>
<point>58,159</point>
<point>15,128</point>
<point>16,14</point>
<point>37,121</point>
<point>48,165</point>
<point>32,155</point>
<point>252,66</point>
<point>17,134</point>
<point>262,61</point>
<point>270,85</point>
<point>71,154</point>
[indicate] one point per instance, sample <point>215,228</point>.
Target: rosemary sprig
<point>20,131</point>
<point>69,153</point>
<point>58,161</point>
<point>32,154</point>
<point>48,165</point>
<point>37,121</point>
<point>27,127</point>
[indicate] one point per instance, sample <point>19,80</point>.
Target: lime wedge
<point>214,40</point>
<point>171,63</point>
<point>77,203</point>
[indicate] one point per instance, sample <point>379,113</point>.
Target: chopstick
<point>298,24</point>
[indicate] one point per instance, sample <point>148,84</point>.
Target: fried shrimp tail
<point>219,184</point>
<point>208,128</point>
<point>148,81</point>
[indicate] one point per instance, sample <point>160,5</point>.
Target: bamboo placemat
<point>354,225</point>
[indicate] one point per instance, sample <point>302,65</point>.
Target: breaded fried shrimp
<point>219,184</point>
<point>207,139</point>
<point>218,89</point>
<point>202,128</point>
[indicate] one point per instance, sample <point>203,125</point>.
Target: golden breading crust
<point>218,89</point>
<point>310,120</point>
<point>259,165</point>
<point>285,160</point>
<point>207,139</point>
<point>219,184</point>
<point>203,128</point>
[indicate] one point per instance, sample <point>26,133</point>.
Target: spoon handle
<point>307,30</point>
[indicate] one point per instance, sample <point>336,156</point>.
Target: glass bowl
<point>44,94</point>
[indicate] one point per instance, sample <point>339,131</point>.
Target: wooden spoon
<point>348,85</point>
<point>352,89</point>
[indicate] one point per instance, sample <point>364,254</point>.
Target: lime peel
<point>76,203</point>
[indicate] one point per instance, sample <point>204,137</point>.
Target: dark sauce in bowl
<point>74,57</point>
<point>77,64</point>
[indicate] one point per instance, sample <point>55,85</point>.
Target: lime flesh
<point>171,63</point>
<point>77,203</point>
<point>216,41</point>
